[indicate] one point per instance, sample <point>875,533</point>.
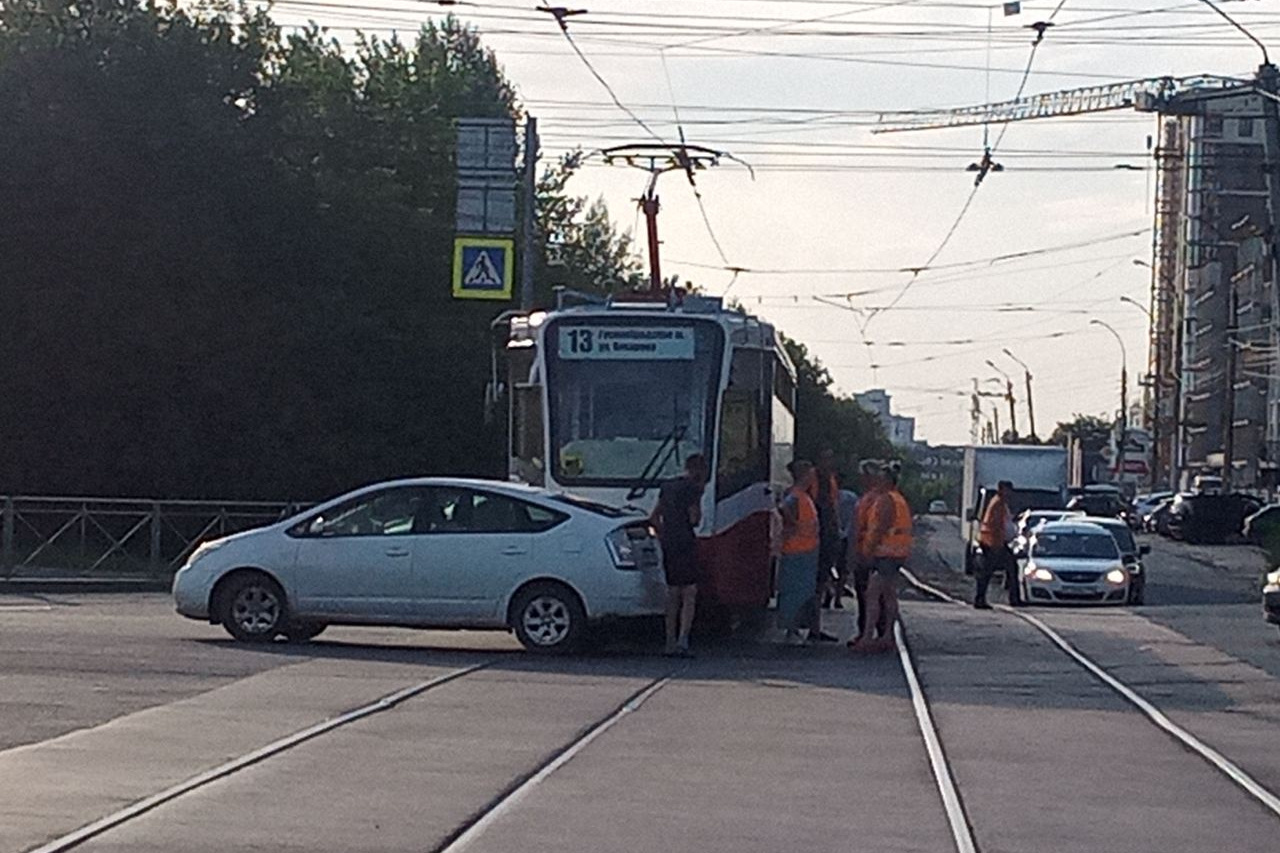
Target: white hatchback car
<point>430,553</point>
<point>1074,562</point>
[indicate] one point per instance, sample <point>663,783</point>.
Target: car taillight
<point>631,546</point>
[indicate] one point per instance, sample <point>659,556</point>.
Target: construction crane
<point>1165,95</point>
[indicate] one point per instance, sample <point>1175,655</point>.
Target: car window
<point>1087,546</point>
<point>389,512</point>
<point>458,510</point>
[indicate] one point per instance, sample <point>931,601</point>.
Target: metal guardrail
<point>77,535</point>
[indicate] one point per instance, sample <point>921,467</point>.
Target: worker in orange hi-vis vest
<point>995,534</point>
<point>888,542</point>
<point>798,566</point>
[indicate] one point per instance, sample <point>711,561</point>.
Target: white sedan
<point>430,553</point>
<point>1074,562</point>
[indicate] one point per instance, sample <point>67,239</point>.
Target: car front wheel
<point>549,619</point>
<point>253,608</point>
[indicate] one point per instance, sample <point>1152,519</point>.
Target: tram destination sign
<point>635,343</point>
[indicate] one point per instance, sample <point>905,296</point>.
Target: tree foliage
<point>1094,432</point>
<point>225,253</point>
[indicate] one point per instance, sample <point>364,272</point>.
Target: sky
<point>835,211</point>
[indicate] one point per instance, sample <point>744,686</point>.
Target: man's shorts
<point>680,566</point>
<point>886,567</point>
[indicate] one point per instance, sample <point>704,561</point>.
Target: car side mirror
<point>1144,550</point>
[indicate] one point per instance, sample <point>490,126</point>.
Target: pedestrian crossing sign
<point>483,267</point>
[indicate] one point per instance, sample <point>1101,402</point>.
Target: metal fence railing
<point>44,535</point>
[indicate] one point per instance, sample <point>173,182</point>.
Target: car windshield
<point>1123,536</point>
<point>630,398</point>
<point>1077,545</point>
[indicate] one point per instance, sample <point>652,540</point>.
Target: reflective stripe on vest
<point>862,522</point>
<point>896,543</point>
<point>802,537</point>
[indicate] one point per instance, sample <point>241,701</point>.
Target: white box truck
<point>1038,474</point>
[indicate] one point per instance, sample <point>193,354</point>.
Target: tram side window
<point>744,426</point>
<point>527,445</point>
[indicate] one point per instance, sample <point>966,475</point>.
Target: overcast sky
<point>835,209</point>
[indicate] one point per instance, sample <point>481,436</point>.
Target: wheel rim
<point>256,609</point>
<point>546,620</point>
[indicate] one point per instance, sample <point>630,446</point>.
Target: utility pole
<point>529,210</point>
<point>1008,396</point>
<point>995,421</point>
<point>1229,403</point>
<point>1269,84</point>
<point>1031,406</point>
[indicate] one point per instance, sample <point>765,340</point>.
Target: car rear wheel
<point>548,619</point>
<point>253,608</point>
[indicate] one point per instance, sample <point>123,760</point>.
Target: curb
<point>28,586</point>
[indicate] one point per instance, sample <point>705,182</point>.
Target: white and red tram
<point>607,400</point>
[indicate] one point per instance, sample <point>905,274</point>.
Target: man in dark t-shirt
<point>677,516</point>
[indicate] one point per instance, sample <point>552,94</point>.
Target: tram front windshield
<point>630,401</point>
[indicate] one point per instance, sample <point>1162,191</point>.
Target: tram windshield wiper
<point>653,468</point>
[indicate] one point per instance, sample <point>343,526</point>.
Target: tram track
<point>1265,797</point>
<point>461,838</point>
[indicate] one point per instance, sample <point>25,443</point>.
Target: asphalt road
<point>107,700</point>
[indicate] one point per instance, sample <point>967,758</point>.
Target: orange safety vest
<point>896,543</point>
<point>802,537</point>
<point>991,530</point>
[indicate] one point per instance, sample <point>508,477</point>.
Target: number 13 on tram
<point>608,400</point>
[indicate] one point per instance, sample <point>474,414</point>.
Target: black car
<point>1263,525</point>
<point>1210,519</point>
<point>1100,505</point>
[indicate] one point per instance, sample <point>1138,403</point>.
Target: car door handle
<point>514,550</point>
<point>397,552</point>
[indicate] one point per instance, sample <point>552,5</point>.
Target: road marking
<point>1228,768</point>
<point>24,608</point>
<point>506,802</point>
<point>961,831</point>
<point>391,700</point>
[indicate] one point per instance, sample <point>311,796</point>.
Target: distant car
<point>1143,505</point>
<point>1131,553</point>
<point>1101,504</point>
<point>1210,519</point>
<point>437,553</point>
<point>1271,598</point>
<point>938,507</point>
<point>1032,519</point>
<point>1262,525</point>
<point>1075,562</point>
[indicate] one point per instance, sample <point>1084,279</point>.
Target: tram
<point>607,399</point>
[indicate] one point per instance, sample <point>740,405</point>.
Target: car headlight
<point>1039,574</point>
<point>1117,576</point>
<point>203,550</point>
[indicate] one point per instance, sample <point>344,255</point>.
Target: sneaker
<point>793,638</point>
<point>981,605</point>
<point>839,605</point>
<point>824,637</point>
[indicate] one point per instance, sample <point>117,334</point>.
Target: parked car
<point>1210,519</point>
<point>1262,525</point>
<point>434,552</point>
<point>938,507</point>
<point>1075,562</point>
<point>1271,598</point>
<point>1143,505</point>
<point>1155,520</point>
<point>1131,554</point>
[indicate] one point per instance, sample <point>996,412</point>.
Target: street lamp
<point>1136,304</point>
<point>1139,262</point>
<point>1124,381</point>
<point>1031,408</point>
<point>1008,395</point>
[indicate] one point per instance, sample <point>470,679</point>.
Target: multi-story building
<point>1209,385</point>
<point>900,429</point>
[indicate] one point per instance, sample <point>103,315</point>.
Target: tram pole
<point>529,201</point>
<point>649,204</point>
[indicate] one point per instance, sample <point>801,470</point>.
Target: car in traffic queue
<point>1144,504</point>
<point>1210,518</point>
<point>1271,597</point>
<point>431,553</point>
<point>1075,562</point>
<point>1101,502</point>
<point>1262,526</point>
<point>1156,519</point>
<point>1131,553</point>
<point>938,507</point>
<point>1031,520</point>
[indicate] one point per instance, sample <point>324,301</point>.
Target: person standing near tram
<point>676,517</point>
<point>995,538</point>
<point>801,542</point>
<point>888,543</point>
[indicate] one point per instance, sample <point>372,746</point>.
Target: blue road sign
<point>483,267</point>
